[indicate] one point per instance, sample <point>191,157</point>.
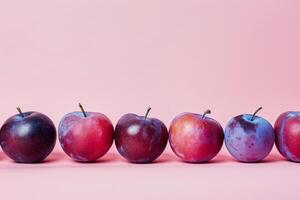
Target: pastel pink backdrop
<point>121,56</point>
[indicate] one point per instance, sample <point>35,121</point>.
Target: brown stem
<point>82,110</point>
<point>147,112</point>
<point>20,111</point>
<point>252,118</point>
<point>205,113</point>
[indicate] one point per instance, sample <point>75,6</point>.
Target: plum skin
<point>85,139</point>
<point>140,140</point>
<point>287,132</point>
<point>249,140</point>
<point>195,139</point>
<point>28,139</point>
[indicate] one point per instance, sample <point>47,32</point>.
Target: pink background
<point>120,56</point>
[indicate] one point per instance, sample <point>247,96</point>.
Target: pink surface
<point>121,56</point>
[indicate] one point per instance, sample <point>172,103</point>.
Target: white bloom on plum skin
<point>134,129</point>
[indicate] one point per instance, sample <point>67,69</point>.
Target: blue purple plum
<point>247,139</point>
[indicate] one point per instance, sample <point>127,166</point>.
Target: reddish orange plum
<point>195,138</point>
<point>85,136</point>
<point>287,132</point>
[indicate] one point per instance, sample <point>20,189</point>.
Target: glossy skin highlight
<point>140,140</point>
<point>85,139</point>
<point>287,132</point>
<point>249,140</point>
<point>28,139</point>
<point>194,138</point>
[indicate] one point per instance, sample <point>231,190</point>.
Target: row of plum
<point>29,137</point>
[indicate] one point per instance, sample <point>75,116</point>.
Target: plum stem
<point>147,112</point>
<point>20,111</point>
<point>82,110</point>
<point>205,113</point>
<point>258,109</point>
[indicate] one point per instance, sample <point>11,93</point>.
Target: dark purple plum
<point>28,137</point>
<point>140,139</point>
